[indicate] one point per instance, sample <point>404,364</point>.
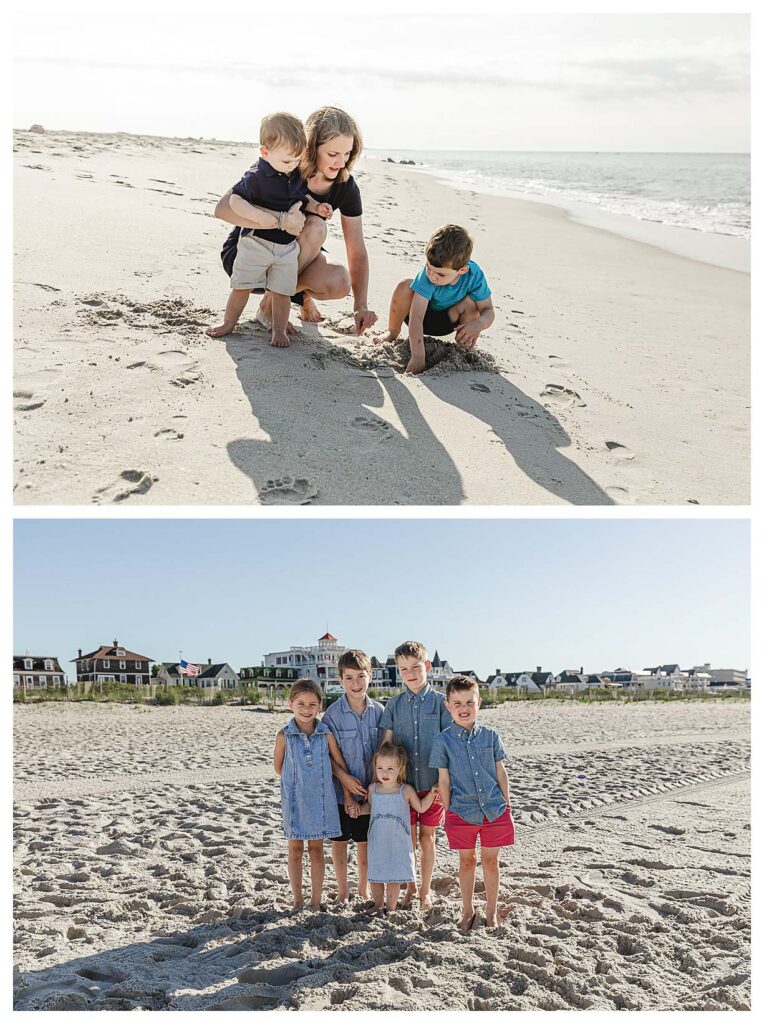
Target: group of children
<point>387,778</point>
<point>449,295</point>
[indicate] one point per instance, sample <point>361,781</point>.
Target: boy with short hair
<point>450,293</point>
<point>413,719</point>
<point>354,722</point>
<point>266,258</point>
<point>474,788</point>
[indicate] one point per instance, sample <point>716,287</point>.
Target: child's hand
<point>325,210</point>
<point>352,809</point>
<point>416,364</point>
<point>467,334</point>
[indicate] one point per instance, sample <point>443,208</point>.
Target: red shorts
<point>462,835</point>
<point>433,816</point>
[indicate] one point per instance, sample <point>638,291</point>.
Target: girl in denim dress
<point>391,855</point>
<point>302,756</point>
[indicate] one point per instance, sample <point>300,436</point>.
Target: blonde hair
<point>306,685</point>
<point>392,750</point>
<point>283,128</point>
<point>411,649</point>
<point>322,126</point>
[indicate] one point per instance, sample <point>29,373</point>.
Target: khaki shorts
<point>263,264</point>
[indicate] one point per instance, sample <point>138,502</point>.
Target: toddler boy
<point>413,719</point>
<point>450,293</point>
<point>474,789</point>
<point>266,258</point>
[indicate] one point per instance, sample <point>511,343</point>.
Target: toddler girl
<point>302,757</point>
<point>391,854</point>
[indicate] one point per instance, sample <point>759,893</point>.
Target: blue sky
<point>511,594</point>
<point>421,79</point>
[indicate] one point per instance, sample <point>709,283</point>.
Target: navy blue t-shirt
<point>344,196</point>
<point>272,190</point>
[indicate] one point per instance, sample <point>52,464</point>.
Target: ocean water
<point>705,192</point>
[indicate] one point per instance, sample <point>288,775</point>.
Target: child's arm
<point>278,751</point>
<point>444,787</point>
<point>416,333</point>
<point>322,209</point>
<point>349,783</point>
<point>503,780</point>
<point>467,334</point>
<point>419,803</point>
<point>291,221</point>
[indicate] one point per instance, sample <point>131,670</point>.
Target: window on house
<point>107,663</point>
<point>120,652</point>
<point>123,678</point>
<point>27,663</point>
<point>123,664</point>
<point>30,680</point>
<point>48,665</point>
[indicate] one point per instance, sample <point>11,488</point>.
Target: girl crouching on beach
<point>302,756</point>
<point>390,852</point>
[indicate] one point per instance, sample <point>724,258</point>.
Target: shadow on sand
<point>338,451</point>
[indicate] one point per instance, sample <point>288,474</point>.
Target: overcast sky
<point>651,82</point>
<point>511,594</point>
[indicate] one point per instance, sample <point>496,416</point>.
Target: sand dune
<point>615,373</point>
<point>150,871</point>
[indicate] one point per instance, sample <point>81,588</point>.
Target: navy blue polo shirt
<point>272,190</point>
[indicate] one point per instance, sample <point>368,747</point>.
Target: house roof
<point>436,662</point>
<point>207,671</point>
<point>38,663</point>
<point>327,636</point>
<point>110,651</point>
<point>540,677</point>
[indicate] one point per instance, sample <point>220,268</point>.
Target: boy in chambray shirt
<point>450,293</point>
<point>474,789</point>
<point>354,722</point>
<point>413,719</point>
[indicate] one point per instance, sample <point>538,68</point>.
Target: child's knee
<point>427,837</point>
<point>468,858</point>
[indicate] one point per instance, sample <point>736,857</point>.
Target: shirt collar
<point>466,734</point>
<point>269,171</point>
<point>293,727</point>
<point>345,704</point>
<point>421,695</point>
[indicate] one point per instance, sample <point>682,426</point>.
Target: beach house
<point>571,680</point>
<point>32,672</point>
<point>113,664</point>
<point>318,662</point>
<point>211,676</point>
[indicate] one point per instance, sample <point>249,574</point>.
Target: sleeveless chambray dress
<point>391,855</point>
<point>308,802</point>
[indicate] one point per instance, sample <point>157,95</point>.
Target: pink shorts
<point>433,816</point>
<point>462,835</point>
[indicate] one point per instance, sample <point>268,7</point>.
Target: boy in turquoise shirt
<point>450,293</point>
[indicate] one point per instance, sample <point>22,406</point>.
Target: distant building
<point>113,664</point>
<point>723,676</point>
<point>637,682</point>
<point>267,676</point>
<point>383,674</point>
<point>571,681</point>
<point>31,672</point>
<point>217,676</point>
<point>439,673</point>
<point>319,662</point>
<point>523,682</point>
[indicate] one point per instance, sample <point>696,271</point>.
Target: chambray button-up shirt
<point>416,719</point>
<point>357,736</point>
<point>470,758</point>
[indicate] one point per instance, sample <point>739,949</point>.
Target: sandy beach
<point>615,373</point>
<point>150,870</point>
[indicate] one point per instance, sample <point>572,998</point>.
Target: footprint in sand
<point>558,363</point>
<point>619,451</point>
<point>373,426</point>
<point>128,483</point>
<point>561,396</point>
<point>288,491</point>
<point>23,401</point>
<point>168,434</point>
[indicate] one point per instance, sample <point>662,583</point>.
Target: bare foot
<point>426,901</point>
<point>491,921</point>
<point>467,922</point>
<point>341,901</point>
<point>408,896</point>
<point>310,311</point>
<point>315,906</point>
<point>298,904</point>
<point>375,911</point>
<point>383,338</point>
<point>279,339</point>
<point>263,317</point>
<point>222,329</point>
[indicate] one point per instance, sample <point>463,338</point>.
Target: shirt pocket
<point>483,754</point>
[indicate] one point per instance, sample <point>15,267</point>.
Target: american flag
<point>186,669</point>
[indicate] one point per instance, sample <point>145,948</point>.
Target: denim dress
<point>308,803</point>
<point>391,855</point>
